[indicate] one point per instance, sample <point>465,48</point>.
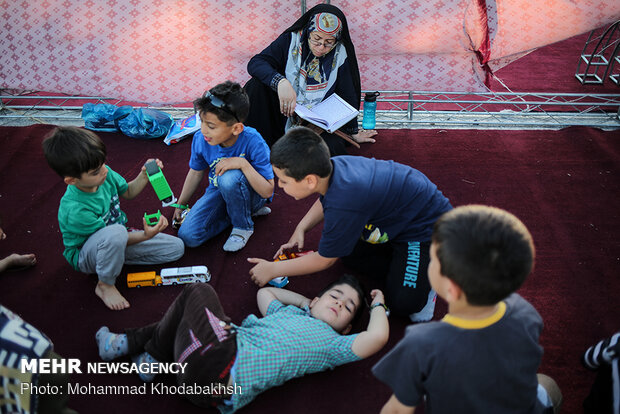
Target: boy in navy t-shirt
<point>482,357</point>
<point>240,175</point>
<point>377,215</point>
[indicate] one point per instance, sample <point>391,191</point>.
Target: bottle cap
<point>371,96</point>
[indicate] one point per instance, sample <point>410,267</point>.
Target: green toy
<point>152,219</point>
<point>159,183</point>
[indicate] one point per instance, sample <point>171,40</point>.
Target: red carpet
<point>563,184</point>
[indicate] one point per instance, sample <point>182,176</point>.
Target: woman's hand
<point>365,135</point>
<point>287,97</point>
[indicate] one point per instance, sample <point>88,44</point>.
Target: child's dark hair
<point>72,151</point>
<point>301,152</point>
<point>236,103</point>
<point>352,281</point>
<point>486,251</point>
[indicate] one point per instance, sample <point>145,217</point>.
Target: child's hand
<point>151,231</point>
<point>377,297</point>
<point>232,163</point>
<point>177,214</point>
<point>157,160</point>
<point>261,273</point>
<point>296,240</point>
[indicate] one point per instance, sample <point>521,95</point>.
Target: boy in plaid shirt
<point>295,336</point>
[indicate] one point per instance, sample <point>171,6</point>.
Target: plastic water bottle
<point>370,107</point>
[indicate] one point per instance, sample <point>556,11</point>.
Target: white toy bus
<point>187,274</point>
<point>170,276</point>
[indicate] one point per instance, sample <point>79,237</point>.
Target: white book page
<point>334,110</point>
<point>308,115</point>
<point>330,114</point>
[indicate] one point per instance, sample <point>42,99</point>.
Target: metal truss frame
<point>396,109</point>
<point>510,110</point>
<point>601,57</point>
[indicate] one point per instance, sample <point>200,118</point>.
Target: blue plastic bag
<point>99,117</point>
<point>141,123</point>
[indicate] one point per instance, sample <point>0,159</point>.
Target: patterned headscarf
<point>317,69</point>
<point>344,41</point>
<point>326,23</point>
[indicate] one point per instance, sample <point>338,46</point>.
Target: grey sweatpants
<point>106,250</point>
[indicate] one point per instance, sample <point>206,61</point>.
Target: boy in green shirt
<point>91,220</point>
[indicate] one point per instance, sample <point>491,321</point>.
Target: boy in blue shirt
<point>240,175</point>
<point>91,220</point>
<point>482,357</point>
<point>378,216</point>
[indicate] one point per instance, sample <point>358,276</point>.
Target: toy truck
<point>159,183</point>
<point>282,281</point>
<point>169,276</point>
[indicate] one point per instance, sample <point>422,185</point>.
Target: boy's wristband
<point>376,305</point>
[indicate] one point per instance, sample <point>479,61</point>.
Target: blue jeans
<point>232,202</point>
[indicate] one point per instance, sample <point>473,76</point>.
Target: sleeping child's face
<point>337,307</point>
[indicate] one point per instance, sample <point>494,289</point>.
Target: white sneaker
<point>263,211</point>
<point>427,312</point>
<point>237,239</point>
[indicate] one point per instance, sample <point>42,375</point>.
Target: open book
<point>330,114</point>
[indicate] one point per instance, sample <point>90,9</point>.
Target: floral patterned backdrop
<point>170,51</point>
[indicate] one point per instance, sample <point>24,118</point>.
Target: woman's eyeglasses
<point>220,104</point>
<point>318,41</point>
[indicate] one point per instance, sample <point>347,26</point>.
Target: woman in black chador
<point>311,60</point>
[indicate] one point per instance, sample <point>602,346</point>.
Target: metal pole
<point>410,107</point>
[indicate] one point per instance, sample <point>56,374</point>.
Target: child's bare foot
<point>17,261</point>
<point>111,296</point>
